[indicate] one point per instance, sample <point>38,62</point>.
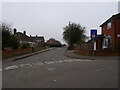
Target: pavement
<point>23,56</point>
<point>70,53</point>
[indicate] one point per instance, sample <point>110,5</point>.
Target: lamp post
<point>69,36</point>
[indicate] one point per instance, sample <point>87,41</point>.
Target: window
<point>107,42</point>
<point>109,25</point>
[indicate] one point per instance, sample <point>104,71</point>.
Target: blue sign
<point>93,34</point>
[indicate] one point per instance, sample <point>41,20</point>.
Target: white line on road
<point>49,62</point>
<point>11,67</point>
<point>51,69</point>
<point>22,65</point>
<point>38,63</point>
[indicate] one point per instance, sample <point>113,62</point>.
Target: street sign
<point>93,34</point>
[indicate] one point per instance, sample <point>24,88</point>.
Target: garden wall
<point>87,49</point>
<point>13,52</point>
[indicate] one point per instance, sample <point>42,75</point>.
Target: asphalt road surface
<point>52,69</point>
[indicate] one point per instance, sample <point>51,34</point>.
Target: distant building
<point>23,38</point>
<point>53,42</point>
<point>38,39</point>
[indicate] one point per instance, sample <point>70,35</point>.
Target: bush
<point>14,42</point>
<point>25,45</point>
<point>9,40</point>
<point>44,44</point>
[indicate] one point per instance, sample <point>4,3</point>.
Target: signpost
<point>93,35</point>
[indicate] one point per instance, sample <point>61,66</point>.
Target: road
<point>52,69</point>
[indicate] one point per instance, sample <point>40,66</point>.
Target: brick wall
<point>84,47</point>
<point>8,53</point>
<point>97,53</point>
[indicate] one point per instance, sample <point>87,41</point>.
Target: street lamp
<point>69,36</point>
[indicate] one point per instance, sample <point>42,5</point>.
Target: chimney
<point>15,31</point>
<point>24,32</point>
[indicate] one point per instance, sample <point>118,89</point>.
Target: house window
<point>107,42</point>
<point>109,25</point>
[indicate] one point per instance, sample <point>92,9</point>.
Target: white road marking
<point>60,61</point>
<point>77,60</point>
<point>38,63</point>
<point>54,80</point>
<point>70,60</point>
<point>22,65</point>
<point>11,67</point>
<point>28,64</point>
<point>51,69</point>
<point>50,62</point>
<point>88,60</point>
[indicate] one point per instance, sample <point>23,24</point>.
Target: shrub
<point>25,45</point>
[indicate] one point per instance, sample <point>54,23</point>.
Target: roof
<point>23,37</point>
<point>116,16</point>
<point>37,37</point>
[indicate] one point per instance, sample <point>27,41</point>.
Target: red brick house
<point>106,44</point>
<point>111,32</point>
<point>53,42</point>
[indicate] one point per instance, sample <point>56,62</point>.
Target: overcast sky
<point>48,18</point>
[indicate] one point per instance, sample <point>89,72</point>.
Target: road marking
<point>49,62</point>
<point>60,61</point>
<point>28,64</point>
<point>22,65</point>
<point>54,80</point>
<point>38,63</point>
<point>51,69</point>
<point>70,60</point>
<point>88,60</point>
<point>77,60</point>
<point>11,67</point>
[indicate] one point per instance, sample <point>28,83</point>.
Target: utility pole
<point>69,36</point>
